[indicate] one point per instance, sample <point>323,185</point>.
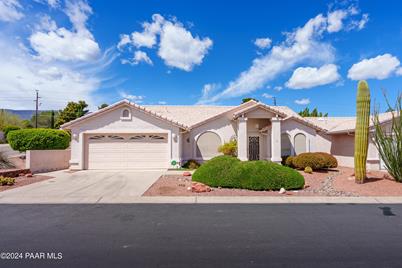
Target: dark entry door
<point>253,148</point>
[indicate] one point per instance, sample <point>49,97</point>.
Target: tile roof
<point>335,125</point>
<point>189,115</point>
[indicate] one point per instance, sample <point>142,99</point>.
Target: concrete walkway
<point>84,187</point>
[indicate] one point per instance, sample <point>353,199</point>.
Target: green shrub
<point>8,129</point>
<point>38,139</point>
<point>312,160</point>
<point>330,160</point>
<point>316,161</point>
<point>229,148</point>
<point>308,170</point>
<point>6,181</point>
<point>192,164</point>
<point>229,172</point>
<point>289,161</point>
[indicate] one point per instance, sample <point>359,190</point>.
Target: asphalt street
<point>194,235</point>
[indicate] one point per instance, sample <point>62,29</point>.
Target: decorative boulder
<point>198,187</point>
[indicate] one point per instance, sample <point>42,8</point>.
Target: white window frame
<point>125,117</point>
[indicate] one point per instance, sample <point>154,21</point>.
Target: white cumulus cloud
<point>303,101</point>
<point>58,83</point>
<point>67,45</point>
<point>10,10</point>
<point>263,43</point>
<point>177,46</point>
<point>131,97</point>
<point>399,71</point>
<point>267,96</point>
<point>139,56</point>
<point>304,44</point>
<point>380,67</point>
<point>308,77</point>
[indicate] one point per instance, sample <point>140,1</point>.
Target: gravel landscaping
<point>335,182</point>
<point>24,180</point>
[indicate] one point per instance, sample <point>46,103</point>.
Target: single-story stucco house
<point>126,135</point>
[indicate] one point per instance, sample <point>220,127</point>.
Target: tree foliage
<point>248,99</point>
<point>72,111</point>
<point>229,148</point>
<point>46,119</point>
<point>7,119</point>
<point>103,105</point>
<point>314,113</point>
<point>388,140</point>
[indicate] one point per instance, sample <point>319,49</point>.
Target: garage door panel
<point>127,151</point>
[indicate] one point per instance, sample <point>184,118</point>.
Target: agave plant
<point>389,140</point>
<point>5,163</point>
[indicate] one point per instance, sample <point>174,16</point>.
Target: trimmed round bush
<point>330,160</point>
<point>313,160</point>
<point>8,129</point>
<point>229,172</point>
<point>192,164</point>
<point>289,161</point>
<point>38,139</point>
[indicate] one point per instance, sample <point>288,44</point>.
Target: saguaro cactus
<point>362,130</point>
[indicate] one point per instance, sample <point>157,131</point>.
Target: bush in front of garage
<point>191,164</point>
<point>229,172</point>
<point>38,139</point>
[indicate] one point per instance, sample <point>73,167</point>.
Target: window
<point>137,137</point>
<point>115,137</point>
<point>300,143</point>
<point>207,145</point>
<point>156,137</point>
<point>125,114</point>
<point>97,137</point>
<point>286,145</point>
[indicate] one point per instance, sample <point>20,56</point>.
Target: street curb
<point>214,200</point>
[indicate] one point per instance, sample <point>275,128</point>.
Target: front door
<point>253,148</point>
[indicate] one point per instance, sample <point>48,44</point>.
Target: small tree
<point>248,99</point>
<point>103,105</point>
<point>46,119</point>
<point>229,148</point>
<point>314,113</point>
<point>389,140</point>
<point>7,119</point>
<point>72,111</point>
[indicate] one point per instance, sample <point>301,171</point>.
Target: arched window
<point>125,113</point>
<point>286,144</point>
<point>300,143</point>
<point>207,145</point>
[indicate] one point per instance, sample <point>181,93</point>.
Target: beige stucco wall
<point>111,122</point>
<point>343,149</point>
<point>47,160</point>
<point>223,126</point>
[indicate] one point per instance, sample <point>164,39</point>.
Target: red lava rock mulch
<point>177,185</point>
<point>337,182</point>
<point>378,183</point>
<point>24,180</point>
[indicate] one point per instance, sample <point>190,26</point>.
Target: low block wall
<point>47,160</point>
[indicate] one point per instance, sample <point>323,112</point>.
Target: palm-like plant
<point>389,140</point>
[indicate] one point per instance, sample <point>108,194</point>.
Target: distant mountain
<point>24,114</point>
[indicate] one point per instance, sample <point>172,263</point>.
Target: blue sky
<point>199,52</point>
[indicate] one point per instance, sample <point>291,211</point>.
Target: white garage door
<point>127,151</point>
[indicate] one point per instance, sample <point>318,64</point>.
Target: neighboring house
<point>127,135</point>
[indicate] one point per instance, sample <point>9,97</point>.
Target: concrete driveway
<point>84,187</point>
